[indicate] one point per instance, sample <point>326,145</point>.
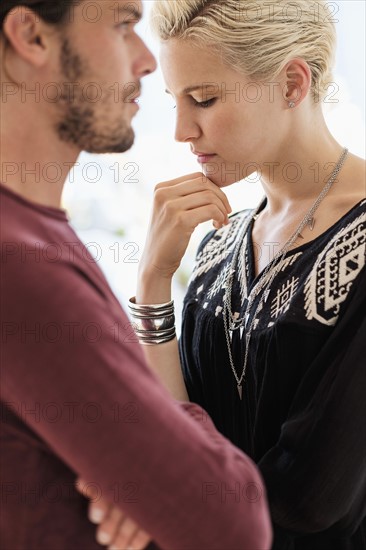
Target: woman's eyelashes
<point>205,104</point>
<point>202,104</point>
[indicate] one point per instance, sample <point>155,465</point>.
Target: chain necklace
<point>264,283</point>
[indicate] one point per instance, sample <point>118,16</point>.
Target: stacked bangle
<point>153,324</point>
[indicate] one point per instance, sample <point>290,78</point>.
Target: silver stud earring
<point>292,104</point>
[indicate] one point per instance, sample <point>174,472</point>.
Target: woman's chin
<point>221,175</point>
<point>219,179</point>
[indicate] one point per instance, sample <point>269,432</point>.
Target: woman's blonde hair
<point>255,38</point>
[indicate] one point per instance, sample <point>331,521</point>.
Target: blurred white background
<point>108,197</point>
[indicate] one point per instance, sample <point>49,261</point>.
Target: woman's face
<point>237,120</point>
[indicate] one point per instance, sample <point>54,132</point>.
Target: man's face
<point>100,65</point>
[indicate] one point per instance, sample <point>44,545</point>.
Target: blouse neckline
<point>252,279</point>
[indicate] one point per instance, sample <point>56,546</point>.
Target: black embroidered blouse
<point>302,415</point>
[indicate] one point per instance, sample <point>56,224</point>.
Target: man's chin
<point>111,147</point>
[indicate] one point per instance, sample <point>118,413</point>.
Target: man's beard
<point>79,123</point>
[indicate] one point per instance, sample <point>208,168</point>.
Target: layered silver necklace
<point>263,285</point>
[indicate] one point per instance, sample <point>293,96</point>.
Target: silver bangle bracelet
<point>156,341</point>
<point>154,324</point>
<point>153,308</point>
<point>152,315</point>
<point>154,333</point>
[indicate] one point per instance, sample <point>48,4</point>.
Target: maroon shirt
<point>78,400</point>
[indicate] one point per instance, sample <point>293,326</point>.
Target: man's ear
<point>298,80</point>
<point>25,32</point>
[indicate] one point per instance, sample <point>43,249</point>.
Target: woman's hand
<point>114,528</point>
<point>180,205</point>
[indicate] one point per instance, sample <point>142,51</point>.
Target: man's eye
<point>126,25</point>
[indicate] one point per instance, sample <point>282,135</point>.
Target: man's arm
<point>192,488</point>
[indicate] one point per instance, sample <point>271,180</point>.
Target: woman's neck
<point>302,170</point>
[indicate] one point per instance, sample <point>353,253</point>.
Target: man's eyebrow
<point>128,10</point>
<point>192,88</point>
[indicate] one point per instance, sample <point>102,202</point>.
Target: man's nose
<point>147,62</point>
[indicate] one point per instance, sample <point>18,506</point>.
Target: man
<point>77,401</point>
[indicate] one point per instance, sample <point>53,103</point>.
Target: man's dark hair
<point>55,12</point>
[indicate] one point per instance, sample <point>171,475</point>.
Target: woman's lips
<point>202,158</point>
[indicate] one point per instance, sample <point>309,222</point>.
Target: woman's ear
<point>298,79</point>
<point>25,33</point>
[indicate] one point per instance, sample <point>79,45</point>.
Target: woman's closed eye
<point>203,104</point>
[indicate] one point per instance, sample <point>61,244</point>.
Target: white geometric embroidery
<point>334,271</point>
<point>219,282</point>
<point>281,303</point>
<point>325,279</point>
<point>219,246</point>
<point>243,268</point>
<point>348,266</point>
<point>287,262</point>
<point>218,311</point>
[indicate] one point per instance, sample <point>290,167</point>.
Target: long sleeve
<point>84,390</point>
<point>316,473</point>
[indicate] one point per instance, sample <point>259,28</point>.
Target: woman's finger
<point>193,218</point>
<point>191,186</point>
<point>187,177</point>
<point>197,186</point>
<point>197,200</point>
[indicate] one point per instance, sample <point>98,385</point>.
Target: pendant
<point>300,236</point>
<point>311,224</point>
<point>241,332</point>
<point>240,391</point>
<point>266,294</point>
<point>231,336</point>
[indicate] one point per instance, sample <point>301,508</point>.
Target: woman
<point>274,317</point>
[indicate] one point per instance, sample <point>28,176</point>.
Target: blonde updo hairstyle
<point>255,38</point>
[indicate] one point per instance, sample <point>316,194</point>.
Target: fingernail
<point>103,537</point>
<point>96,515</point>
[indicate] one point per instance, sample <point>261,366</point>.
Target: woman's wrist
<point>152,288</point>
